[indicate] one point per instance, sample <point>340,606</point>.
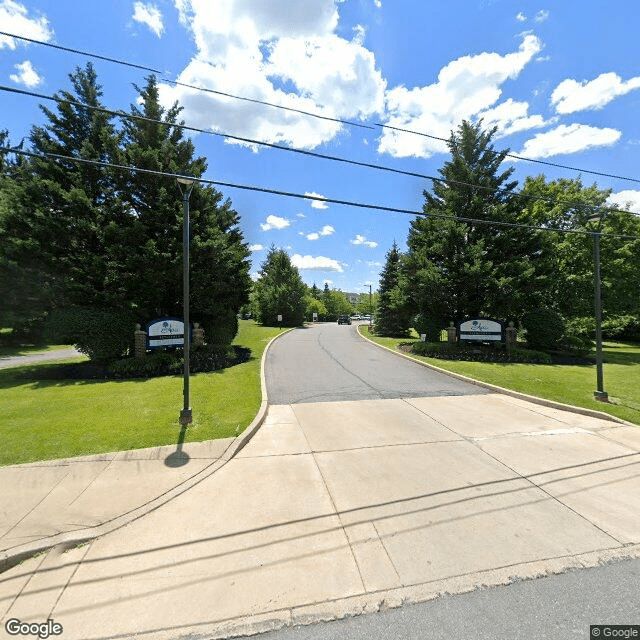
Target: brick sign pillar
<point>451,333</point>
<point>198,334</point>
<point>511,335</point>
<point>140,342</point>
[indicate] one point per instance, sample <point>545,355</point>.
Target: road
<point>328,363</point>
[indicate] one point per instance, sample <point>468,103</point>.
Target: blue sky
<point>559,79</point>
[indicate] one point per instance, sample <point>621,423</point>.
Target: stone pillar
<point>198,335</point>
<point>451,333</point>
<point>140,342</point>
<point>511,334</point>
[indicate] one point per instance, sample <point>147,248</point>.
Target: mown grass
<point>27,350</point>
<point>570,384</point>
<point>49,419</point>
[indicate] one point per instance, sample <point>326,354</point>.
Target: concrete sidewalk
<point>347,507</point>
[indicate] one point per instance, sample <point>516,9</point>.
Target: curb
<point>69,539</point>
<point>592,413</point>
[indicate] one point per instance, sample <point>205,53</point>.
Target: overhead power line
<point>300,111</point>
<point>305,196</point>
<point>313,154</point>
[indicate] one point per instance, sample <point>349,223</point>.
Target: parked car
<point>344,320</point>
<point>356,316</point>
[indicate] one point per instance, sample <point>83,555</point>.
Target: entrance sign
<point>165,332</point>
<point>480,330</point>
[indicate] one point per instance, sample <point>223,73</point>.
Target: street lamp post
<point>185,415</point>
<point>600,393</point>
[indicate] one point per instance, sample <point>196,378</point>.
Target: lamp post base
<point>186,417</point>
<point>601,396</point>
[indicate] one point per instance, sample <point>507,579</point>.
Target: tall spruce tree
<point>279,291</point>
<point>456,269</point>
<point>393,317</point>
<point>150,244</point>
<point>57,211</point>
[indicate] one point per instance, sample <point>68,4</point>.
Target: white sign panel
<point>480,329</point>
<point>166,332</point>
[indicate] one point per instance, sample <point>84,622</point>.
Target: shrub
<point>429,325</point>
<point>101,334</point>
<point>478,352</point>
<point>161,363</point>
<point>545,328</point>
<point>621,328</point>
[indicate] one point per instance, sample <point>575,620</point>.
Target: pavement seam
<point>509,392</point>
<point>55,486</point>
<point>24,586</point>
<point>70,578</point>
<point>384,546</point>
<point>556,499</point>
<point>333,504</point>
<point>103,470</point>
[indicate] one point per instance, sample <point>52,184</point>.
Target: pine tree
<point>458,269</point>
<point>61,208</point>
<point>150,245</point>
<point>279,291</point>
<point>392,311</point>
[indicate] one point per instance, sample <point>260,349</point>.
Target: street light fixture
<point>185,415</point>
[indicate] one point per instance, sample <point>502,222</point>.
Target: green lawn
<point>28,350</point>
<point>570,384</point>
<point>48,419</point>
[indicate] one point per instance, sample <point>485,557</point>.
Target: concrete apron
<point>336,509</point>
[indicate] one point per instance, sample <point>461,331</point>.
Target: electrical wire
<point>300,111</point>
<point>305,196</point>
<point>313,154</point>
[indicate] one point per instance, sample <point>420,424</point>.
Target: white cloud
<point>275,222</point>
<point>327,230</point>
<point>568,139</point>
<point>541,16</point>
<point>14,18</point>
<point>150,15</point>
<point>28,76</point>
<point>363,241</point>
<point>374,263</point>
<point>510,117</point>
<point>317,263</point>
<point>301,215</point>
<point>378,3</point>
<point>520,17</point>
<point>316,204</point>
<point>570,96</point>
<point>256,247</point>
<point>465,87</point>
<point>622,199</point>
<point>286,52</point>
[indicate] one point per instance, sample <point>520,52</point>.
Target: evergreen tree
<point>279,291</point>
<point>58,211</point>
<point>393,317</point>
<point>150,249</point>
<point>455,269</point>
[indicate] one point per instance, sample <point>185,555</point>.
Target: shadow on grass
<point>45,375</point>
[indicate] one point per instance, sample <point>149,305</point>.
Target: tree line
<point>458,265</point>
<point>80,236</point>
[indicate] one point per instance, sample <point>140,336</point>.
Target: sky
<point>560,80</point>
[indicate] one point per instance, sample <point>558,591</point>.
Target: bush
<point>621,328</point>
<point>429,325</point>
<point>545,328</point>
<point>101,334</point>
<point>478,352</point>
<point>161,363</point>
